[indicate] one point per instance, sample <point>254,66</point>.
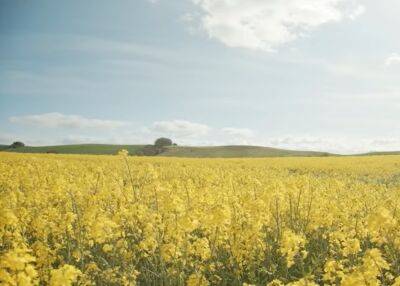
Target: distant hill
<point>381,153</point>
<point>173,151</point>
<point>235,152</point>
<point>94,149</point>
<point>3,147</point>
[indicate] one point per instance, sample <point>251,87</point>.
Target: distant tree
<point>17,144</point>
<point>163,142</point>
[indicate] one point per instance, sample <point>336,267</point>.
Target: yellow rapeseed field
<point>120,220</point>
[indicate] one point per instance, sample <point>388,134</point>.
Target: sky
<point>298,74</point>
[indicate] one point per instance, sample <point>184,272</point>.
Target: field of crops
<point>119,220</point>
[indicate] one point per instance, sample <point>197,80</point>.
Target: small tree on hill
<point>17,144</point>
<point>163,142</point>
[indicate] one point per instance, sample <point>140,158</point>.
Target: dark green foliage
<point>163,142</point>
<point>17,144</point>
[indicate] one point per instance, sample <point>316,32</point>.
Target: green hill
<point>381,153</point>
<point>3,147</point>
<point>235,152</point>
<point>173,151</point>
<point>94,149</point>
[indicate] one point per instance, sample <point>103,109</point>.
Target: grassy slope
<point>3,147</point>
<point>96,149</point>
<point>235,151</point>
<point>381,153</point>
<point>179,151</point>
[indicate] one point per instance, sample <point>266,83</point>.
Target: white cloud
<point>80,139</point>
<point>59,120</point>
<point>189,21</point>
<point>268,24</point>
<point>238,132</point>
<point>311,143</point>
<point>393,59</point>
<point>7,138</point>
<point>356,12</point>
<point>180,128</point>
<point>339,145</point>
<point>188,18</point>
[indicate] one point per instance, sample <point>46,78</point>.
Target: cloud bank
<point>59,120</point>
<point>268,24</point>
<point>238,132</point>
<point>393,59</point>
<point>180,128</point>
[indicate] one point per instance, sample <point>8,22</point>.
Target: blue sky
<point>300,74</point>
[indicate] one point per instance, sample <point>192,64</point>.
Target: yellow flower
<point>275,282</point>
<point>354,279</point>
<point>196,280</point>
<point>107,247</point>
<point>290,245</point>
<point>201,248</point>
<point>303,282</point>
<point>351,246</point>
<point>373,261</point>
<point>169,252</point>
<point>381,220</point>
<point>123,152</point>
<point>396,282</point>
<point>372,267</point>
<point>16,267</point>
<point>64,276</point>
<point>333,271</point>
